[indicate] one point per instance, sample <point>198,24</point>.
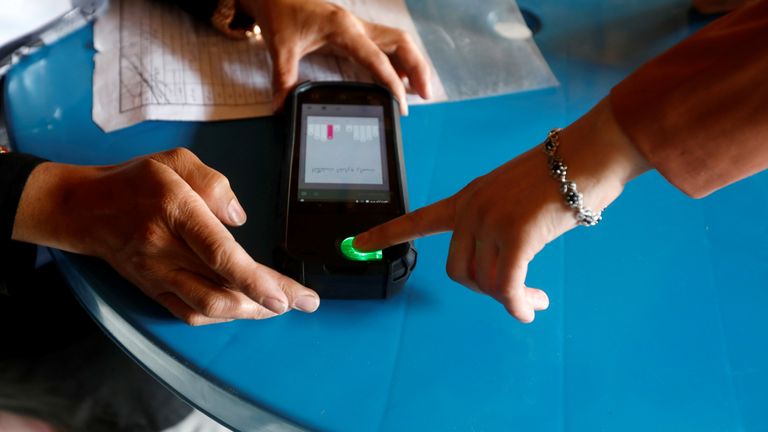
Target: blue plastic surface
<point>657,318</point>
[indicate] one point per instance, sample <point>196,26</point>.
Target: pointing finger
<point>432,219</point>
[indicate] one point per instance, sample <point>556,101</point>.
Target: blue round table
<point>657,318</point>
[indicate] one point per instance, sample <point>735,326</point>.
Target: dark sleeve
<point>699,112</point>
<point>200,9</point>
<point>15,257</point>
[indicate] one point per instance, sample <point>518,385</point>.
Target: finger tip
<point>526,318</point>
<point>360,240</point>
<point>277,104</point>
<point>307,303</point>
<point>545,304</point>
<point>524,315</point>
<point>236,213</point>
<point>538,299</point>
<point>402,102</point>
<point>278,97</point>
<point>427,91</point>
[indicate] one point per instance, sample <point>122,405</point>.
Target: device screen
<point>343,154</point>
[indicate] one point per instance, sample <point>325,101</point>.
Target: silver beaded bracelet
<point>558,169</point>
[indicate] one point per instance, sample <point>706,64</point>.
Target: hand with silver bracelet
<point>500,221</point>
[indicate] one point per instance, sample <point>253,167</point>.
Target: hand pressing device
<point>343,174</point>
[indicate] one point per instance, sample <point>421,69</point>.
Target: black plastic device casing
<point>352,279</point>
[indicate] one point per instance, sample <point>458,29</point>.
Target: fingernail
<point>307,303</point>
<point>429,90</point>
<point>236,212</point>
<point>276,102</point>
<point>275,305</point>
<point>360,240</point>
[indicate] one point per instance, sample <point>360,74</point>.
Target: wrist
<point>601,158</point>
<point>47,211</point>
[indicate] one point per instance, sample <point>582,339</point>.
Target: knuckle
<point>214,306</point>
<point>169,204</point>
<point>181,154</point>
<point>150,168</point>
<point>183,203</point>
<point>339,37</point>
<point>142,264</point>
<point>149,238</point>
<point>403,38</point>
<point>174,206</point>
<point>487,214</point>
<point>284,283</point>
<point>217,257</point>
<point>340,16</point>
<point>218,183</point>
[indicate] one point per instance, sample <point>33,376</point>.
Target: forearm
<point>698,113</point>
<point>48,207</point>
<point>601,158</point>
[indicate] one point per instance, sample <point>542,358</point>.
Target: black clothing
<point>16,258</point>
<point>55,363</point>
<point>58,366</point>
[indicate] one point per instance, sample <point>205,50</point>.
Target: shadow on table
<point>618,36</point>
<point>250,154</point>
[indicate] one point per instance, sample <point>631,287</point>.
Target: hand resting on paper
<point>295,28</point>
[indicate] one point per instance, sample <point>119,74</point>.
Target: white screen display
<point>343,150</point>
<point>343,154</point>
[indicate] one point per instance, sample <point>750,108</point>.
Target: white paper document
<point>154,62</point>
